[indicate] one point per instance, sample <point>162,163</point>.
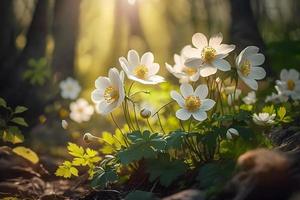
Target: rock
<point>190,194</point>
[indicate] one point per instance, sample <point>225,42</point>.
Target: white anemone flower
<point>81,111</point>
<point>209,55</point>
<point>70,88</point>
<point>264,119</point>
<point>231,132</point>
<point>280,97</point>
<point>289,83</point>
<point>250,98</point>
<point>142,70</point>
<point>192,103</point>
<point>248,69</point>
<point>184,73</point>
<point>109,92</point>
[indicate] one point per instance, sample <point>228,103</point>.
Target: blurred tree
<point>65,32</point>
<point>244,30</point>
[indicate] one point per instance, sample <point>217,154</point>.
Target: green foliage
<point>144,145</point>
<point>175,139</point>
<point>165,170</point>
<point>102,177</point>
<point>281,113</point>
<point>38,71</point>
<point>10,123</point>
<point>82,157</point>
<point>138,195</point>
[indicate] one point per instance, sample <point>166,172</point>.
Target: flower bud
<point>64,124</point>
<point>145,113</point>
<point>231,132</point>
<point>88,138</point>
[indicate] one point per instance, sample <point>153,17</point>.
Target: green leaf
<point>19,121</point>
<point>281,112</point>
<point>103,177</point>
<point>166,170</point>
<point>138,195</point>
<point>13,135</point>
<point>75,150</point>
<point>3,103</point>
<point>144,145</point>
<point>20,109</point>
<point>175,139</point>
<point>269,109</point>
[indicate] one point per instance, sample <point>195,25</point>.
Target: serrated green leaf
<point>75,150</point>
<point>20,109</point>
<point>19,121</point>
<point>102,178</point>
<point>281,112</point>
<point>166,170</point>
<point>3,103</point>
<point>138,195</point>
<point>175,139</point>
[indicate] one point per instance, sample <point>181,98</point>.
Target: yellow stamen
<point>141,71</point>
<point>246,68</point>
<point>189,71</point>
<point>110,94</point>
<point>290,84</point>
<point>208,54</point>
<point>192,103</point>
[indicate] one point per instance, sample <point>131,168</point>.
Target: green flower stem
<point>190,123</point>
<point>163,107</point>
<point>125,138</point>
<point>149,125</point>
<point>135,116</point>
<point>159,121</point>
<point>126,117</point>
<point>181,124</point>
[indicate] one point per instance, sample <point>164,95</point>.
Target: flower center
<point>192,103</point>
<point>110,94</point>
<point>246,68</point>
<point>290,85</point>
<point>208,54</point>
<point>141,71</point>
<point>189,71</point>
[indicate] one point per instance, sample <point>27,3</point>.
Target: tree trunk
<point>244,31</point>
<point>65,32</point>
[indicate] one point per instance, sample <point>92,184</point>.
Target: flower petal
<point>250,82</point>
<point>256,59</point>
<point>190,52</point>
<point>183,114</point>
<point>199,40</point>
<point>102,82</point>
<point>201,91</point>
<point>186,90</point>
<point>293,75</point>
<point>153,68</point>
<point>207,104</point>
<point>193,62</point>
<point>215,40</point>
<point>156,79</point>
<point>114,77</point>
<point>200,115</point>
<point>257,73</point>
<point>177,97</point>
<point>225,48</point>
<point>222,65</point>
<point>284,75</point>
<point>133,58</point>
<point>207,70</point>
<point>147,59</point>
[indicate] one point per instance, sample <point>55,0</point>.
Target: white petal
<point>177,97</point>
<point>284,75</point>
<point>153,69</point>
<point>201,91</point>
<point>207,104</point>
<point>104,108</point>
<point>156,79</point>
<point>199,40</point>
<point>207,70</point>
<point>183,114</point>
<point>200,115</point>
<point>222,65</point>
<point>250,50</point>
<point>257,73</point>
<point>225,48</point>
<point>124,64</point>
<point>251,83</point>
<point>133,58</point>
<point>190,52</point>
<point>228,136</point>
<point>102,82</point>
<point>215,40</point>
<point>193,62</point>
<point>114,77</point>
<point>186,90</point>
<point>257,59</point>
<point>293,75</point>
<point>147,59</point>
